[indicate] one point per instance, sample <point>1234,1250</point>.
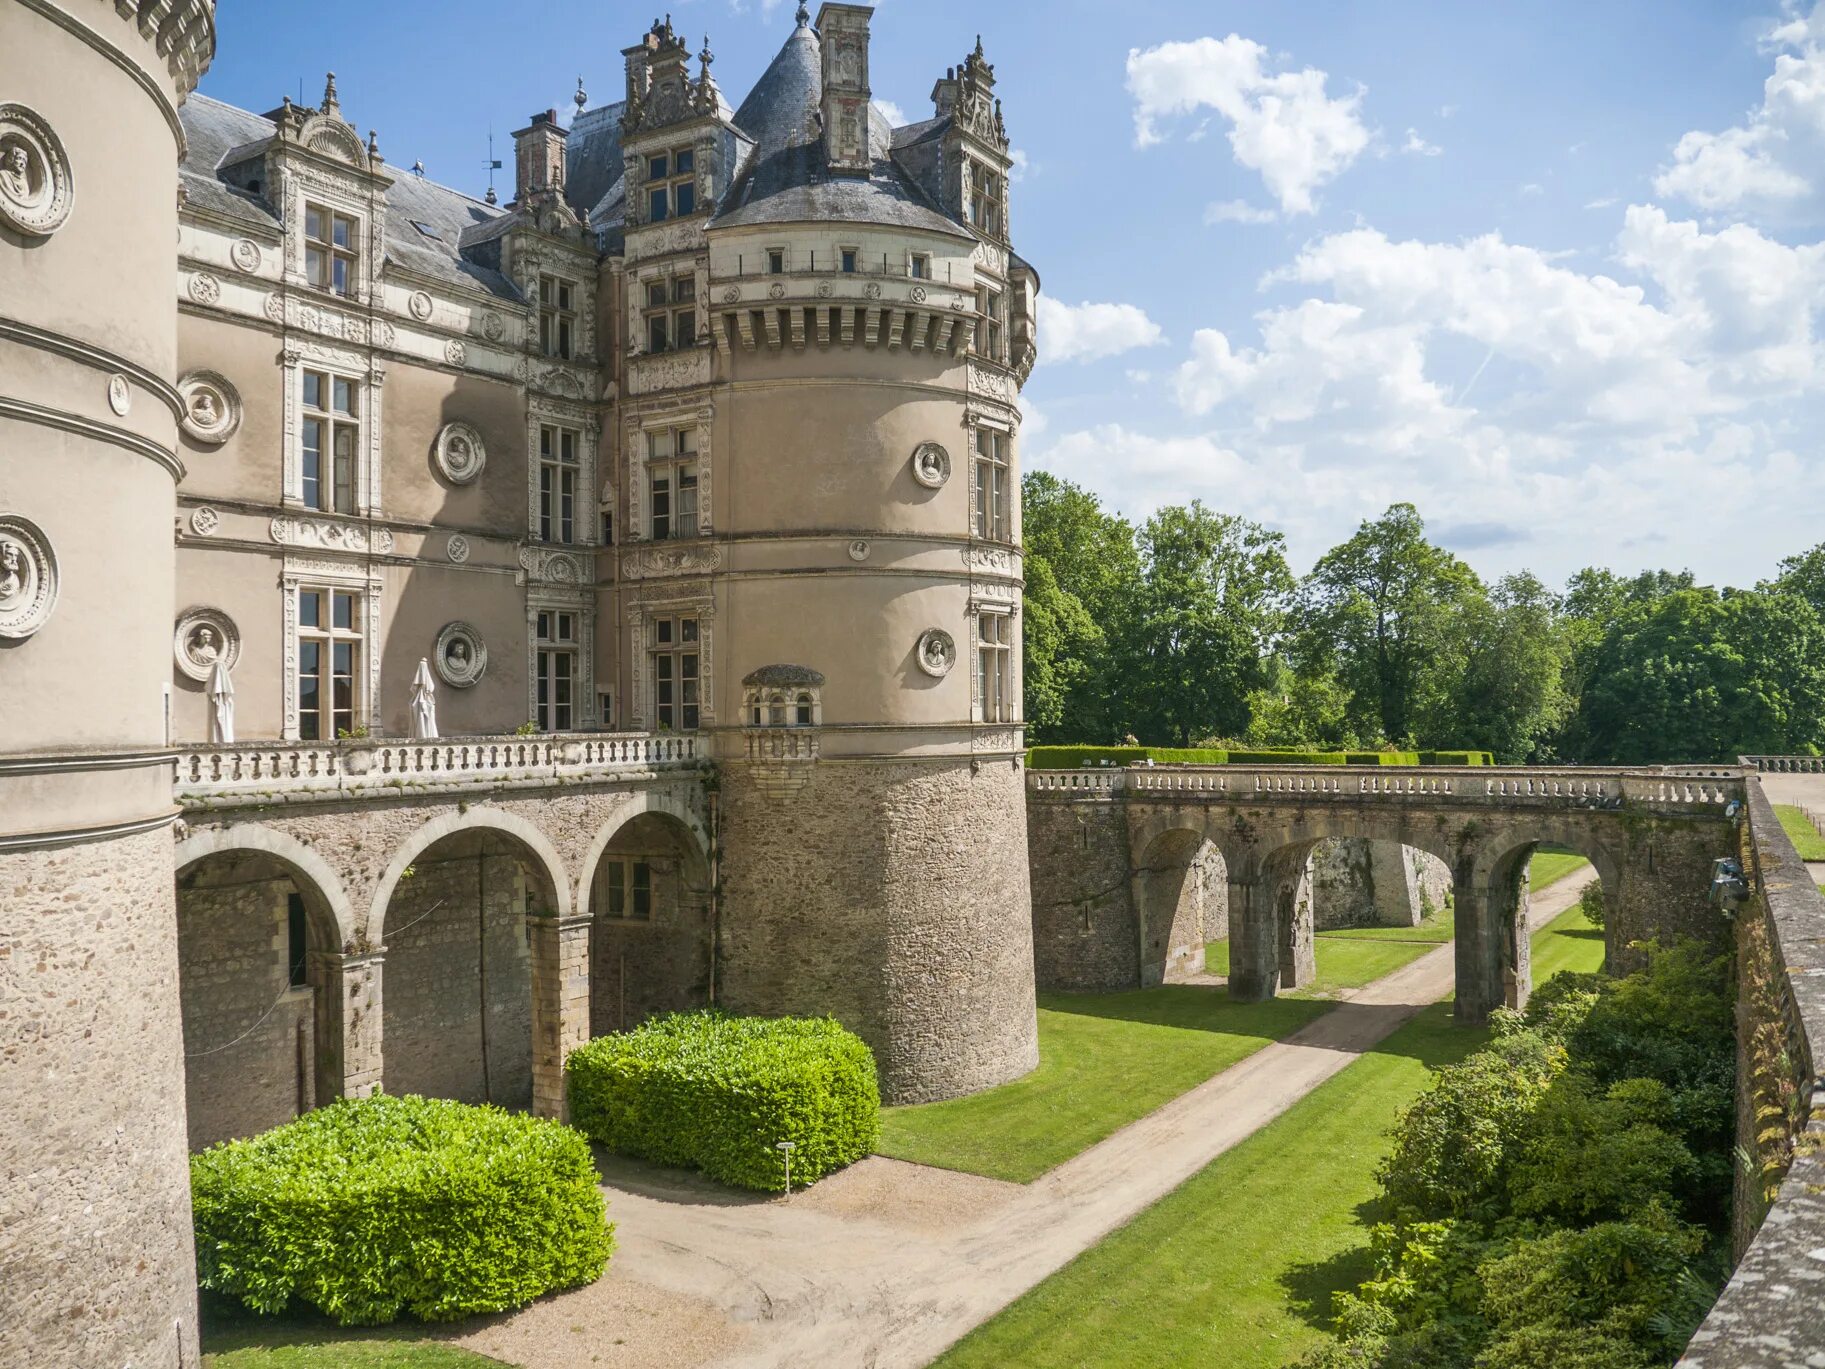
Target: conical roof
<point>785,100</point>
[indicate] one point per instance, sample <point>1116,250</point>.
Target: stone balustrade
<point>287,772</point>
<point>1660,790</point>
<point>1786,765</point>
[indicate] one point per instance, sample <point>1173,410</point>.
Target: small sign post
<point>785,1149</point>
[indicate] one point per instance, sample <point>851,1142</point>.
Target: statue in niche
<point>12,570</point>
<point>16,174</point>
<point>203,409</point>
<point>204,649</point>
<point>935,653</point>
<point>458,657</point>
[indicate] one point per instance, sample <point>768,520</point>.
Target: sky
<point>1550,271</point>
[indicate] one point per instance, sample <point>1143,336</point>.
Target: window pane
<point>313,390</point>
<point>344,610</point>
<point>687,441</point>
<point>656,339</point>
<point>685,161</point>
<point>658,214</point>
<point>643,889</point>
<point>656,168</point>
<point>617,888</point>
<point>310,608</point>
<point>345,469</point>
<point>343,396</point>
<point>848,260</point>
<point>686,195</point>
<point>684,289</point>
<point>339,281</point>
<point>345,229</point>
<point>313,222</point>
<point>662,631</point>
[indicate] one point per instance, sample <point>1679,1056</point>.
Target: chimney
<point>538,156</point>
<point>944,94</point>
<point>842,33</point>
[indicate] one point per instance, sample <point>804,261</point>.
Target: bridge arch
<point>1181,901</point>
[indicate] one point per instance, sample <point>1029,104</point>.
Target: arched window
<point>802,710</point>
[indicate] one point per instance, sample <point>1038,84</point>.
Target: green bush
<point>371,1207</point>
<point>1590,903</point>
<point>1456,758</point>
<point>707,1091</point>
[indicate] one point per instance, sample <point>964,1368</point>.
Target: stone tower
<point>96,1264</point>
<point>821,554</point>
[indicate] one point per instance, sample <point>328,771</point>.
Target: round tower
<point>96,1257</point>
<point>854,483</point>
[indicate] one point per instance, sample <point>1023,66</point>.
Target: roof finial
<point>706,56</point>
<point>581,97</point>
<point>979,45</point>
<point>331,105</point>
<point>373,146</point>
<point>804,14</point>
<point>491,197</point>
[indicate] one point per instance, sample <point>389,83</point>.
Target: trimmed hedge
<point>708,1091</point>
<point>371,1207</point>
<point>1076,757</point>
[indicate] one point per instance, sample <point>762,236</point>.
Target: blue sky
<point>1550,271</point>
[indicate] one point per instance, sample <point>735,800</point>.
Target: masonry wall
<point>640,968</point>
<point>460,915</point>
<point>97,1265</point>
<point>1083,910</point>
<point>1358,883</point>
<point>894,896</point>
<point>249,1037</point>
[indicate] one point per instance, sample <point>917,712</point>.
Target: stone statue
<point>203,410</point>
<point>16,174</point>
<point>203,648</point>
<point>12,570</point>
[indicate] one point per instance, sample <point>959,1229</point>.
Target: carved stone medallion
<point>872,289</point>
<point>457,548</point>
<point>28,577</point>
<point>918,294</point>
<point>202,637</point>
<point>246,255</point>
<point>212,407</point>
<point>458,453</point>
<point>461,657</point>
<point>205,288</point>
<point>732,295</point>
<point>273,306</point>
<point>776,291</point>
<point>204,521</point>
<point>120,395</point>
<point>858,550</point>
<point>937,652</point>
<point>825,290</point>
<point>931,465</point>
<point>420,305</point>
<point>455,353</point>
<point>493,328</point>
<point>35,185</point>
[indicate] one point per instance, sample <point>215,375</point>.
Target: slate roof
<point>592,158</point>
<point>220,135</point>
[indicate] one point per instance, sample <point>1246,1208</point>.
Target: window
<point>671,185</point>
<point>985,199</point>
<point>993,516</point>
<point>557,483</point>
<point>801,711</point>
<point>921,266</point>
<point>425,230</point>
<point>329,660</point>
<point>557,316</point>
<point>556,669</point>
<point>675,680</point>
<point>331,435</point>
<point>849,261</point>
<point>994,666</point>
<point>776,261</point>
<point>671,314</point>
<point>988,324</point>
<point>605,703</point>
<point>608,526</point>
<point>297,942</point>
<point>672,470</point>
<point>329,249</point>
<point>627,887</point>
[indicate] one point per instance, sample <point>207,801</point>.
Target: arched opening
<point>1182,902</point>
<point>1286,878</point>
<point>1372,882</point>
<point>650,934</point>
<point>457,1016</point>
<point>261,1024</point>
<point>1494,916</point>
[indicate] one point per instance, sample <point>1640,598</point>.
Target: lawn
<point>1345,960</point>
<point>1236,1266</point>
<point>235,1338</point>
<point>1105,1059</point>
<point>1552,864</point>
<point>1806,838</point>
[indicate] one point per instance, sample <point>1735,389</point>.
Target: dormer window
<point>330,250</point>
<point>986,195</point>
<point>671,184</point>
<point>557,316</point>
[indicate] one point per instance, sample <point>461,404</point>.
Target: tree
<point>1702,676</point>
<point>1306,710</point>
<point>1381,611</point>
<point>1509,696</point>
<point>1062,644</point>
<point>1804,575</point>
<point>1213,598</point>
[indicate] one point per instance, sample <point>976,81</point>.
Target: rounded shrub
<point>373,1207</point>
<point>711,1092</point>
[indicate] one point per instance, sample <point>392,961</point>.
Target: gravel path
<point>888,1263</point>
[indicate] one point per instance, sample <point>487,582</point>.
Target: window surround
<point>543,412</point>
<point>994,688</point>
<point>636,525</point>
<point>337,364</point>
<point>671,173</point>
<point>580,604</point>
<point>676,470</point>
<point>557,307</point>
<point>560,461</point>
<point>849,260</point>
<point>344,577</point>
<point>667,601</point>
<point>667,306</point>
<point>348,195</point>
<point>336,246</point>
<point>992,508</point>
<point>630,877</point>
<point>674,650</point>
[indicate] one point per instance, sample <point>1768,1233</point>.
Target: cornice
<point>88,427</point>
<point>90,355</point>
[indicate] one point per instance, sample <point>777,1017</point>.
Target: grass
<point>1344,961</point>
<point>1236,1266</point>
<point>1105,1059</point>
<point>1806,838</point>
<point>1552,864</point>
<point>234,1338</point>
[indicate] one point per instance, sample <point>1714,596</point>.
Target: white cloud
<point>1606,202</point>
<point>1089,332</point>
<point>1282,124</point>
<point>1022,167</point>
<point>1237,211</point>
<point>1769,159</point>
<point>1418,146</point>
<point>892,113</point>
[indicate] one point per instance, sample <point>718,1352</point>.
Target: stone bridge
<point>441,917</point>
<point>1134,869</point>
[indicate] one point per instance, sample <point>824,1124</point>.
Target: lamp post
<point>785,1149</point>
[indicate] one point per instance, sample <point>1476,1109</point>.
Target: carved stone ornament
<point>552,567</point>
<point>212,407</point>
<point>458,453</point>
<point>455,353</point>
<point>289,531</point>
<point>678,560</point>
<point>381,332</point>
<point>457,548</point>
<point>858,550</point>
<point>937,652</point>
<point>493,328</point>
<point>273,306</point>
<point>461,657</point>
<point>918,294</point>
<point>931,465</point>
<point>35,185</point>
<point>28,577</point>
<point>204,521</point>
<point>732,295</point>
<point>205,288</point>
<point>202,637</point>
<point>420,305</point>
<point>246,255</point>
<point>776,291</point>
<point>825,290</point>
<point>120,395</point>
<point>872,289</point>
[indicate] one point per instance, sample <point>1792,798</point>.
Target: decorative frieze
<point>329,534</point>
<point>546,566</point>
<point>659,560</point>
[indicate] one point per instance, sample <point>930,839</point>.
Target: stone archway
<point>1181,902</point>
<point>648,900</point>
<point>261,925</point>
